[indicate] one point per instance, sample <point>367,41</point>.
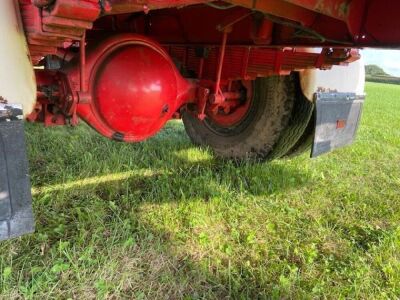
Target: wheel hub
<point>235,106</point>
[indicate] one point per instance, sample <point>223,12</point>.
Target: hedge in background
<point>383,79</point>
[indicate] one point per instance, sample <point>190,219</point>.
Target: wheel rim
<point>232,113</point>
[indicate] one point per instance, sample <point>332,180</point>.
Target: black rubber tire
<point>296,128</point>
<point>304,144</point>
<point>255,136</point>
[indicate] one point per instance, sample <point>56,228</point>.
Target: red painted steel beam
<point>305,12</point>
<point>349,11</point>
<point>338,9</point>
<point>279,8</point>
<point>114,7</point>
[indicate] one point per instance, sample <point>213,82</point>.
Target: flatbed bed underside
<point>313,23</point>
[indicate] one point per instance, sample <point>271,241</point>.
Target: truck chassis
<point>241,74</point>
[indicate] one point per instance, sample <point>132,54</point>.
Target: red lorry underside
<point>127,60</point>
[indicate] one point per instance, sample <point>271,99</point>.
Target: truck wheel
<point>305,142</point>
<point>253,129</point>
<point>296,129</point>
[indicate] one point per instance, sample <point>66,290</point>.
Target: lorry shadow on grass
<point>163,167</point>
<point>195,180</point>
<point>133,245</point>
<point>126,254</point>
<point>130,226</point>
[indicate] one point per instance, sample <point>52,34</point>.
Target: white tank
<point>17,77</point>
<point>345,79</point>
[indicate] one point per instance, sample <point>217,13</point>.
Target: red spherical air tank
<point>133,88</point>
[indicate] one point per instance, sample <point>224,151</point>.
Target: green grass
<point>165,220</point>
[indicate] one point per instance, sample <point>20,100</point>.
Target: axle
<point>127,87</point>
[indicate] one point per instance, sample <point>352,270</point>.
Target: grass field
<point>165,220</point>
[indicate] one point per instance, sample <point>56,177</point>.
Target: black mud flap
<point>16,217</point>
<point>337,118</point>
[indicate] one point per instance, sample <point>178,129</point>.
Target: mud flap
<point>337,118</point>
<point>16,217</point>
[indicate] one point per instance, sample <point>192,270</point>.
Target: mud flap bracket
<point>16,217</point>
<point>337,119</point>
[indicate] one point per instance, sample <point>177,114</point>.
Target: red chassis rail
<point>355,23</point>
<point>219,45</point>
